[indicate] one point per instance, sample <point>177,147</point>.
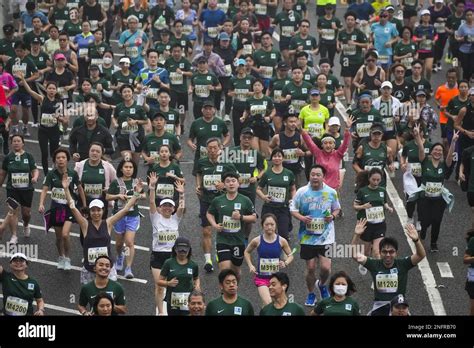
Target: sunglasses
<point>383,16</point>
<point>391,252</point>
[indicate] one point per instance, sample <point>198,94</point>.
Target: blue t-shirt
<point>382,34</point>
<point>363,10</point>
<point>136,42</point>
<point>211,19</point>
<point>468,33</point>
<point>27,19</point>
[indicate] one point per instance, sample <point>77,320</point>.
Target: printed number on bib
<point>16,306</point>
<point>269,266</point>
<point>278,194</point>
<point>94,253</point>
<point>375,215</point>
<point>316,226</point>
<point>386,283</point>
<point>180,300</point>
<point>433,189</point>
<point>20,180</point>
<point>93,190</point>
<point>209,181</point>
<point>230,225</point>
<point>164,190</point>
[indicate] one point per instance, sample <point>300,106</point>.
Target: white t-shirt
<point>165,231</point>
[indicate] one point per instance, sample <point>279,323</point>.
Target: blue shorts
<point>127,224</point>
<point>21,98</point>
<point>387,65</point>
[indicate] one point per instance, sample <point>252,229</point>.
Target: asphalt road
<point>61,288</point>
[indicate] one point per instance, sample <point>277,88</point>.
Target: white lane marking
<point>424,267</point>
<point>57,308</point>
<point>73,234</point>
<point>444,270</point>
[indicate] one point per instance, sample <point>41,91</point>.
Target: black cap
<point>283,66</point>
<point>376,127</point>
<point>208,103</point>
<point>94,67</point>
<point>182,243</point>
<point>8,28</point>
<point>165,31</point>
<point>158,114</point>
<point>331,6</point>
<point>36,40</point>
<point>208,42</point>
<point>201,59</point>
<point>247,130</point>
<point>399,300</point>
<point>420,92</point>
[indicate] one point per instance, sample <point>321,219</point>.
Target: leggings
<point>432,210</point>
<point>46,136</point>
<point>439,47</point>
<point>328,50</point>
<point>237,113</point>
<point>34,104</point>
<point>467,63</point>
<point>411,205</point>
<point>225,82</point>
<point>284,224</point>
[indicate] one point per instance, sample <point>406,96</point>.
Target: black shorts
<point>179,100</point>
<point>261,129</point>
<point>425,55</point>
<point>309,252</point>
<point>389,135</point>
<point>158,258</point>
<point>23,197</point>
<point>232,253</point>
<point>349,71</point>
<point>203,207</point>
<point>444,130</point>
<point>284,43</point>
<point>470,198</point>
<point>374,231</point>
<point>58,218</point>
<point>470,289</point>
<point>408,13</point>
<point>124,144</point>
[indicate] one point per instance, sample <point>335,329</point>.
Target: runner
<point>103,305</point>
<point>280,305</point>
<point>196,303</point>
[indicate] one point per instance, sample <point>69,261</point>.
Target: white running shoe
<point>362,270</point>
<point>13,239</point>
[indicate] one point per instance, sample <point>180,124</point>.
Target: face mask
<point>340,289</point>
<point>107,60</point>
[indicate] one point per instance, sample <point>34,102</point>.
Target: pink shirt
<point>8,82</point>
<point>331,161</point>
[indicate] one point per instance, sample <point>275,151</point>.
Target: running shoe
<point>208,267</point>
<point>26,133</point>
<point>128,273</point>
<point>418,227</point>
<point>324,291</point>
<point>362,270</point>
<point>119,262</point>
<point>67,264</point>
<point>310,300</point>
<point>61,262</point>
<point>13,239</point>
<point>434,248</point>
<point>227,119</point>
<point>27,231</point>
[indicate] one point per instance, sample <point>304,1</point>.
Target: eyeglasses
<point>63,39</point>
<point>391,251</point>
<point>370,60</point>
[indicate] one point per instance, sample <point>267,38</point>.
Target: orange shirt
<point>129,3</point>
<point>443,96</point>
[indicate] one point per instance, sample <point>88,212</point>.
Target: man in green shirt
<point>266,59</point>
<point>303,42</point>
<point>296,93</point>
<point>389,274</point>
<point>7,44</point>
<point>280,306</point>
<point>102,283</point>
<point>228,215</point>
<point>230,303</point>
<point>203,86</point>
<point>289,21</point>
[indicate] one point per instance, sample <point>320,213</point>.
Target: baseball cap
<point>224,36</point>
<point>399,300</point>
<point>389,8</point>
<point>167,201</point>
<point>208,42</point>
<point>94,67</point>
<point>439,1</point>
<point>283,66</point>
<point>59,56</point>
<point>376,127</point>
<point>201,59</point>
<point>208,103</point>
<point>386,84</point>
<point>240,62</point>
<point>247,130</point>
<point>165,32</point>
<point>124,60</point>
<point>8,28</point>
<point>158,114</point>
<point>334,121</point>
<point>471,91</point>
<point>182,244</point>
<point>425,12</point>
<point>96,203</point>
<point>18,255</point>
<point>314,91</point>
<point>420,92</point>
<point>36,40</point>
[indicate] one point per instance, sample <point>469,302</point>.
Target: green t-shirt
<point>259,106</point>
<point>333,83</point>
<point>60,16</point>
<point>18,294</point>
<point>117,77</point>
<point>93,181</point>
<point>299,95</point>
<point>72,29</point>
<point>373,157</point>
<point>101,81</point>
<point>141,14</point>
<point>364,120</point>
<point>89,291</point>
<point>278,186</point>
<point>276,89</point>
<point>172,118</point>
<point>28,38</point>
<point>212,173</point>
<point>351,55</point>
<point>329,34</point>
<point>40,60</point>
<point>202,131</point>
<point>220,308</point>
<point>19,170</point>
<point>201,83</point>
<point>290,309</point>
<point>97,51</point>
<point>330,307</point>
<point>6,47</point>
<point>267,61</point>
<point>453,22</point>
<point>247,165</point>
<point>289,22</point>
<point>54,181</point>
<point>122,113</point>
<point>327,98</point>
<point>308,43</point>
<point>25,65</point>
<point>222,208</point>
<point>410,151</point>
<point>165,186</point>
<point>126,188</point>
<point>389,282</point>
<point>177,297</point>
<point>402,49</point>
<point>241,87</point>
<point>377,198</point>
<point>178,82</point>
<point>152,143</point>
<point>433,177</point>
<point>453,107</point>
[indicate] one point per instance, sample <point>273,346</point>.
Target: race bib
<point>286,30</point>
<point>202,91</point>
<point>164,190</point>
<point>169,127</point>
<point>167,237</point>
<point>19,68</point>
<point>241,94</point>
<point>258,109</point>
<point>269,266</point>
<point>176,79</point>
<point>83,52</point>
<point>152,93</point>
<point>407,62</point>
<point>328,34</point>
<point>267,72</point>
<point>105,4</point>
<point>60,23</point>
<point>410,2</point>
<point>58,195</point>
<point>247,49</point>
<point>433,189</point>
<point>260,9</point>
<point>277,96</point>
<point>97,61</point>
<point>298,104</point>
<point>203,151</point>
<point>16,306</point>
<point>416,169</point>
<point>209,181</point>
<point>128,129</point>
<point>228,69</point>
<point>383,59</point>
<point>93,190</point>
<point>315,130</point>
<point>187,29</point>
<point>316,226</point>
<point>388,122</point>
<point>180,300</point>
<point>212,32</point>
<point>386,283</point>
<point>94,253</point>
<point>363,129</point>
<point>245,180</point>
<point>368,168</point>
<point>20,180</point>
<point>278,194</point>
<point>230,225</point>
<point>132,52</point>
<point>94,25</point>
<point>349,50</point>
<point>375,215</point>
<point>290,156</point>
<point>223,6</point>
<point>440,27</point>
<point>426,45</point>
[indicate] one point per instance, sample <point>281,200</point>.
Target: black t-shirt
<point>63,80</point>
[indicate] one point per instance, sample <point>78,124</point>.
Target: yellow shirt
<point>313,121</point>
<point>324,2</point>
<point>380,5</point>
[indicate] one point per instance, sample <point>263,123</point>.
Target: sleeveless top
<point>289,145</point>
<point>96,243</point>
<point>268,257</point>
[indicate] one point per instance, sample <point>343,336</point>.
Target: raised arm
<point>420,252</point>
<point>153,179</point>
<point>124,211</point>
<point>77,214</point>
<point>359,229</point>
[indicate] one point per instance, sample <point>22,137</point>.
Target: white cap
<point>124,60</point>
<point>333,121</point>
<point>167,200</point>
<point>96,203</point>
<point>439,1</point>
<point>129,18</point>
<point>386,84</point>
<point>425,12</point>
<point>20,255</point>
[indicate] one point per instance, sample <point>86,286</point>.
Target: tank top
<point>96,243</point>
<point>289,145</point>
<point>369,81</point>
<point>268,257</point>
<point>48,116</point>
<point>373,157</point>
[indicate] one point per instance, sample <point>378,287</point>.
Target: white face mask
<point>340,289</point>
<point>107,60</point>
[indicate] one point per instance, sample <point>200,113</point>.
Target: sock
<point>207,256</point>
